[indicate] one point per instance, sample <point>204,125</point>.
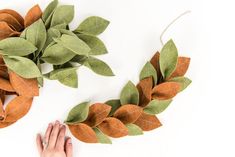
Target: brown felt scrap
<point>165,91</point>
<point>11,21</point>
<point>83,132</point>
<point>33,15</point>
<point>6,31</point>
<point>16,15</point>
<point>97,113</point>
<point>181,67</point>
<point>145,91</point>
<point>113,127</point>
<point>148,122</point>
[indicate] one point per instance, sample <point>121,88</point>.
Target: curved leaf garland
<point>138,105</point>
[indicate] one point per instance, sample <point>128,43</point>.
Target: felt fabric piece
<point>17,108</point>
<point>181,67</point>
<point>6,85</point>
<point>166,90</point>
<point>33,15</point>
<point>83,133</point>
<point>128,113</point>
<point>97,113</point>
<point>5,124</point>
<point>11,21</point>
<point>155,62</point>
<point>2,96</point>
<point>148,122</point>
<point>2,112</point>
<point>113,127</point>
<point>16,15</point>
<point>145,91</point>
<point>6,31</point>
<point>26,87</point>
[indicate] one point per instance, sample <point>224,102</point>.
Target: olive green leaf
<point>96,45</point>
<point>102,138</point>
<point>22,66</point>
<point>68,32</point>
<point>36,34</point>
<point>98,66</point>
<point>60,26</point>
<point>74,44</point>
<point>147,71</point>
<point>52,33</point>
<point>78,114</point>
<point>93,25</point>
<point>184,82</point>
<point>129,94</point>
<point>48,12</point>
<point>16,46</point>
<point>40,79</point>
<point>79,59</point>
<point>23,34</point>
<point>168,59</point>
<point>66,76</point>
<point>57,54</point>
<point>157,106</point>
<point>134,130</point>
<point>115,104</point>
<point>62,14</point>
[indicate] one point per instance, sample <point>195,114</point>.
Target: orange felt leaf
<point>16,15</point>
<point>181,67</point>
<point>166,90</point>
<point>128,113</point>
<point>11,21</point>
<point>5,85</point>
<point>2,96</point>
<point>83,132</point>
<point>6,31</point>
<point>17,108</point>
<point>113,127</point>
<point>155,62</point>
<point>2,112</point>
<point>25,87</point>
<point>5,124</point>
<point>145,91</point>
<point>97,113</point>
<point>148,122</point>
<point>33,15</point>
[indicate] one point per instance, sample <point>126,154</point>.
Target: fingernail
<point>57,122</point>
<point>49,125</point>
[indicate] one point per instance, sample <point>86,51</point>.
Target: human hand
<point>54,143</point>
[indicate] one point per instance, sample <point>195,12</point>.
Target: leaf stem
<point>172,22</point>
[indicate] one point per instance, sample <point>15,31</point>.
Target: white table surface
<point>200,121</point>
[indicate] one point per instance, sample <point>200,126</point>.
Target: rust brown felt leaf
<point>11,21</point>
<point>145,91</point>
<point>25,87</point>
<point>128,113</point>
<point>33,15</point>
<point>181,67</point>
<point>113,127</point>
<point>2,96</point>
<point>6,85</point>
<point>16,15</point>
<point>5,124</point>
<point>17,108</point>
<point>6,31</point>
<point>83,132</point>
<point>97,113</point>
<point>155,62</point>
<point>148,122</point>
<point>166,90</point>
<point>2,112</point>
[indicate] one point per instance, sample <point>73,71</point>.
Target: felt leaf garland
<point>62,14</point>
<point>138,105</point>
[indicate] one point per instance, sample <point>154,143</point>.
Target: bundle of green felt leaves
<point>44,38</point>
<point>160,80</point>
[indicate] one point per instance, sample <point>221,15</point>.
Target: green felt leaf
<point>184,82</point>
<point>22,66</point>
<point>102,138</point>
<point>79,59</point>
<point>115,104</point>
<point>129,94</point>
<point>23,34</point>
<point>96,45</point>
<point>93,25</point>
<point>78,114</point>
<point>147,71</point>
<point>36,34</point>
<point>57,54</point>
<point>134,130</point>
<point>16,46</point>
<point>74,44</point>
<point>66,76</point>
<point>40,79</point>
<point>68,32</point>
<point>48,12</point>
<point>62,14</point>
<point>60,26</point>
<point>157,106</point>
<point>168,59</point>
<point>98,66</point>
<point>52,33</point>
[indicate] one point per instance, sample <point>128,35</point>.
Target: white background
<point>200,121</point>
